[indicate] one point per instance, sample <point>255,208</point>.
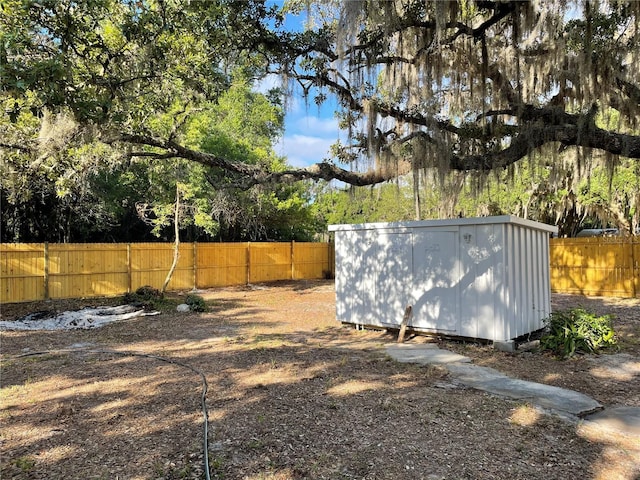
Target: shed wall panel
<point>484,278</point>
<point>436,279</point>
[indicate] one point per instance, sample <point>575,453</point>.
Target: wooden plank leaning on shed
<point>408,312</point>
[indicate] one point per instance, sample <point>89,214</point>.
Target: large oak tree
<point>463,85</point>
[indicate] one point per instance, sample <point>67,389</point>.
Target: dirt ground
<point>292,395</point>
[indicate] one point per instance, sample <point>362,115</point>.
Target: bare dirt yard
<point>292,395</point>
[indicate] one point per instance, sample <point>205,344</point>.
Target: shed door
<point>393,277</point>
<point>436,274</point>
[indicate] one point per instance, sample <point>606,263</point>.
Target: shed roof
<point>446,223</point>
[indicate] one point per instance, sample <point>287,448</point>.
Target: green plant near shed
<point>576,330</point>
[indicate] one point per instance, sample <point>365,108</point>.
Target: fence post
<point>332,258</point>
<point>248,263</point>
<point>293,273</point>
<point>195,265</point>
<point>46,270</point>
<point>129,267</point>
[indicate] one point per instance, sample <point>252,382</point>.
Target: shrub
<point>577,330</point>
<point>147,292</point>
<point>149,298</point>
<point>196,303</point>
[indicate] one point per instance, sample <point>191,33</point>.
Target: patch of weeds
<point>216,467</point>
<point>185,472</point>
<point>40,358</point>
<point>158,469</point>
<point>576,330</point>
<point>150,299</point>
<point>254,444</point>
<point>196,303</point>
<point>24,463</point>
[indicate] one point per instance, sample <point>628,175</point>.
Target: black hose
<point>205,386</point>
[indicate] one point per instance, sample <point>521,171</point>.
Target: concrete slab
<point>492,381</point>
<point>561,401</point>
<point>424,354</point>
<point>545,396</point>
<point>620,419</point>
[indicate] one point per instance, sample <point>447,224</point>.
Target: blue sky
<point>309,130</point>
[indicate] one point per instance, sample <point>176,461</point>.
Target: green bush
<point>150,299</point>
<point>576,330</point>
<point>196,303</point>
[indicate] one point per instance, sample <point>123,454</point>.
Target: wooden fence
<point>40,271</point>
<point>588,266</point>
<point>601,266</point>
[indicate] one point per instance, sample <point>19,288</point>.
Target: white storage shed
<point>484,278</point>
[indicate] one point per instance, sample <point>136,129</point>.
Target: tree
<point>463,85</point>
<point>480,85</point>
<point>77,73</point>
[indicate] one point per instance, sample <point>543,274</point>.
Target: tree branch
<point>254,175</point>
<point>14,146</point>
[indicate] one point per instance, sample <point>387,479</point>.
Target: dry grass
<point>292,395</point>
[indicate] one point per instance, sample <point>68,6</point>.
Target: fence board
<point>21,272</point>
<point>269,262</point>
<point>595,266</point>
<point>311,260</point>
<point>150,263</point>
<point>221,264</point>
<point>87,270</point>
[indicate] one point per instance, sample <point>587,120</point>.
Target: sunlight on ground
<point>270,377</point>
<point>624,372</point>
<point>551,377</point>
<point>620,456</point>
<point>57,454</point>
<point>525,416</point>
<point>352,387</point>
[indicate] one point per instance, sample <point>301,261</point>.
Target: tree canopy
<point>468,85</point>
<point>479,85</point>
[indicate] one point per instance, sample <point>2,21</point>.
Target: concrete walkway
<point>560,401</point>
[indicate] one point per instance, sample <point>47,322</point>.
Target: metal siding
<point>468,294</point>
<point>356,290</point>
<point>482,261</point>
<point>340,280</point>
<point>514,282</point>
<point>500,283</point>
<point>546,274</point>
<point>436,274</point>
<point>392,277</point>
<point>485,280</point>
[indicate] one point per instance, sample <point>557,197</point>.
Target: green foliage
<point>196,303</point>
<point>25,463</point>
<point>577,330</point>
<point>150,299</point>
<point>383,203</point>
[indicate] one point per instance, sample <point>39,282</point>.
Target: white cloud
<point>325,127</point>
<point>267,83</point>
<point>304,150</point>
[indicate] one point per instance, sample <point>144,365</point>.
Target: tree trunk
<point>176,245</point>
<point>416,193</point>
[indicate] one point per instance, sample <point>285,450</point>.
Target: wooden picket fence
<point>589,266</point>
<point>597,266</point>
<point>41,271</point>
